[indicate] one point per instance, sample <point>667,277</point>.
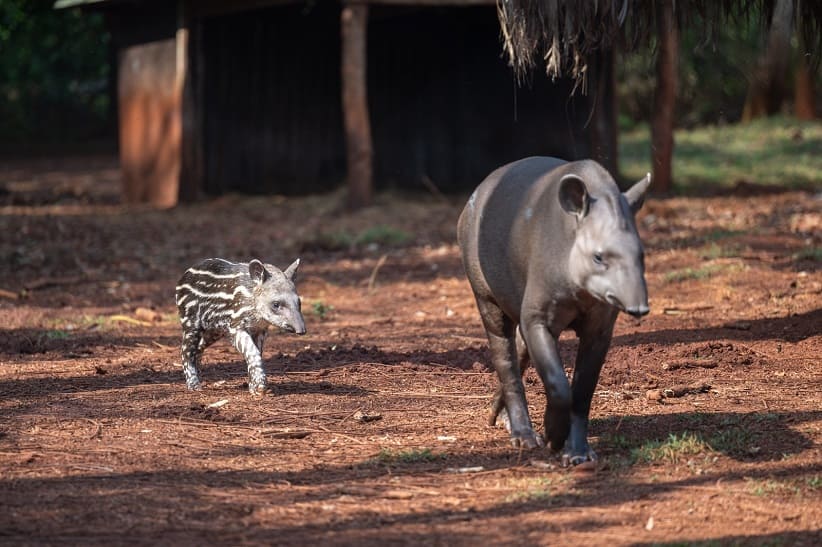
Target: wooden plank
<point>359,148</point>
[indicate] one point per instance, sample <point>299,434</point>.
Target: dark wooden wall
<point>444,105</point>
<point>271,110</point>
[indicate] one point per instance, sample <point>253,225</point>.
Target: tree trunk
<point>359,150</point>
<point>767,89</point>
<point>804,99</point>
<point>662,125</point>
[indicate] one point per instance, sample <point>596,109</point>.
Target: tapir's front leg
<point>244,343</point>
<point>542,348</point>
<point>591,355</point>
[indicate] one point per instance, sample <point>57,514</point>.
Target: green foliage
<point>713,75</point>
<point>54,70</point>
<point>776,151</point>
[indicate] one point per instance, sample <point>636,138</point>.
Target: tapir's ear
<point>291,270</point>
<point>258,272</point>
<point>635,195</point>
<point>573,196</point>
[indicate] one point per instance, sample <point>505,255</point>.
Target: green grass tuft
<point>320,308</point>
<point>674,449</point>
<point>685,274</point>
<point>810,253</point>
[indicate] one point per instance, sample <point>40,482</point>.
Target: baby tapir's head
<point>606,258</point>
<point>276,296</point>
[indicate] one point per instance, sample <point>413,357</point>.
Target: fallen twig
<point>373,277</point>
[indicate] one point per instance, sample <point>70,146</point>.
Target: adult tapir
<point>550,245</point>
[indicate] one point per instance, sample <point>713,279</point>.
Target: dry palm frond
<point>563,34</point>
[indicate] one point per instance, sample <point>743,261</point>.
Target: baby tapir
<point>547,246</point>
<point>219,298</point>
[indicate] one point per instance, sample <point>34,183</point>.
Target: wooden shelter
<point>276,96</point>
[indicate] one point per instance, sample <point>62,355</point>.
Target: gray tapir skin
<point>549,245</point>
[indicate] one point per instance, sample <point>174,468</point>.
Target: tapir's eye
<point>275,306</point>
<point>598,258</point>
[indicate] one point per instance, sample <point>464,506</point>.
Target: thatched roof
<point>562,34</point>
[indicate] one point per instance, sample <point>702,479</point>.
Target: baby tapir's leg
<point>244,343</point>
<point>192,348</point>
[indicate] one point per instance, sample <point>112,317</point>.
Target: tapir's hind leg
<point>498,403</point>
<point>511,393</point>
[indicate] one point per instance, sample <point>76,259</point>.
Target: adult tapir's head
<point>606,257</point>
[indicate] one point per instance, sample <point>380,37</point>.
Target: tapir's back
<point>493,220</point>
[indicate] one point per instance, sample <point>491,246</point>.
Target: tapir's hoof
<point>194,386</point>
<point>580,461</point>
<point>528,441</point>
<point>259,390</point>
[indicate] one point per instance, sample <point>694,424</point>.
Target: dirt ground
<point>707,417</point>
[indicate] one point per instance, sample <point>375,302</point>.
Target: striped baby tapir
<point>217,298</point>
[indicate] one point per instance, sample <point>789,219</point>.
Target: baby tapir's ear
<point>635,195</point>
<point>258,272</point>
<point>291,270</point>
<point>573,196</point>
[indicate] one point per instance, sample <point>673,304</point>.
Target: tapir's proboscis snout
<point>549,245</point>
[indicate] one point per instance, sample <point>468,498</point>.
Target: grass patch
<point>714,251</point>
<point>685,274</point>
<point>809,253</point>
<point>383,235</point>
<point>674,449</point>
<point>539,489</point>
<point>388,457</point>
<point>765,488</point>
<point>380,235</point>
<point>778,151</point>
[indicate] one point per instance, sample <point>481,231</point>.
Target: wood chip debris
<point>364,417</point>
<point>677,391</point>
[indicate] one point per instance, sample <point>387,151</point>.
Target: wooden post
<point>359,149</point>
<point>151,74</point>
<point>662,124</point>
